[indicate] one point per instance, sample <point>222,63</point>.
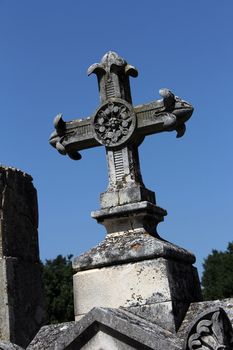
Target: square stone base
<point>148,288</point>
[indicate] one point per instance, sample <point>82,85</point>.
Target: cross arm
<point>167,114</point>
<point>71,137</point>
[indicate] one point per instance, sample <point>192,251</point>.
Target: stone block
<point>132,246</point>
<point>128,194</point>
<point>155,283</point>
<point>121,285</point>
<point>18,215</point>
<point>167,315</point>
<point>130,217</point>
<point>21,303</point>
<point>21,298</point>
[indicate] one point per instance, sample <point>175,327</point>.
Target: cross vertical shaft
<point>124,167</point>
<point>115,125</point>
<point>113,80</point>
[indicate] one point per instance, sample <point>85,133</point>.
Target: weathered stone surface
<point>159,284</point>
<point>155,278</point>
<point>105,329</point>
<point>128,247</point>
<point>211,329</point>
<point>21,299</point>
<point>196,309</point>
<point>18,215</point>
<point>130,217</point>
<point>121,196</point>
<point>120,329</point>
<point>4,345</point>
<point>168,314</point>
<point>21,303</point>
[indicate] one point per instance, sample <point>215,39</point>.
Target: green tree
<point>58,287</point>
<point>217,280</point>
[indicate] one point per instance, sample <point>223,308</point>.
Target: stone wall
<point>21,298</point>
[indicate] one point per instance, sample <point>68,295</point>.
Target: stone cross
<point>121,128</point>
<point>132,267</point>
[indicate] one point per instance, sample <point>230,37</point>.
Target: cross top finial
<point>110,62</point>
<point>111,58</point>
<point>113,76</point>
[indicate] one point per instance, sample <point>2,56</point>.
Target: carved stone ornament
<point>212,330</point>
<point>114,123</point>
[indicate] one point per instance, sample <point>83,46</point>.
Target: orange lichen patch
<point>136,246</point>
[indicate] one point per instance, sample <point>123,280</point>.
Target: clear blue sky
<point>187,46</point>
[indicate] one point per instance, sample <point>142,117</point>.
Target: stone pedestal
<point>133,268</point>
<point>21,299</point>
<point>139,272</point>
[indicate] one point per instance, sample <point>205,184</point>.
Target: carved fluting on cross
<point>120,127</point>
<point>113,77</point>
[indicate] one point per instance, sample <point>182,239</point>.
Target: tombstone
<point>21,299</point>
<point>134,290</point>
<point>160,275</point>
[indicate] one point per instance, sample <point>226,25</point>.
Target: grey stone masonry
<point>197,308</point>
<point>207,326</point>
<point>107,329</point>
<point>141,273</point>
<point>21,299</point>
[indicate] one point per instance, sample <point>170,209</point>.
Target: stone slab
<point>100,327</point>
<point>133,246</point>
<point>125,209</point>
<point>5,345</point>
<point>144,216</point>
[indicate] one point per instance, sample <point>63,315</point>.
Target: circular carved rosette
<point>114,123</point>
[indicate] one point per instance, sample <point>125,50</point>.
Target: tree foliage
<point>58,288</point>
<point>217,280</point>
